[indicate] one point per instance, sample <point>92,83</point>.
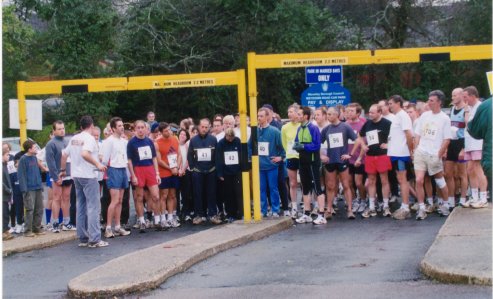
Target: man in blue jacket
<point>271,153</point>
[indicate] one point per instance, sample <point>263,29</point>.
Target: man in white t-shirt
<point>473,154</point>
<point>114,156</point>
<point>432,137</point>
<point>384,106</point>
<point>400,148</point>
<point>85,167</point>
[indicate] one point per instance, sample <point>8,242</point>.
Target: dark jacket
<point>29,174</point>
<point>226,146</point>
<point>197,144</point>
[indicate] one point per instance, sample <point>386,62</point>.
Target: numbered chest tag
<point>11,167</point>
<point>145,153</point>
<point>335,140</point>
<point>120,158</point>
<point>173,160</point>
<point>372,137</point>
<point>231,158</point>
<point>430,131</point>
<point>263,149</point>
<point>204,154</point>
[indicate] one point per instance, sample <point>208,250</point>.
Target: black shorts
<point>67,183</point>
<point>310,178</point>
<point>339,167</point>
<point>357,170</point>
<point>454,149</point>
<point>293,164</point>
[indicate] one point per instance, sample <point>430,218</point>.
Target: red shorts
<point>146,176</point>
<point>377,164</point>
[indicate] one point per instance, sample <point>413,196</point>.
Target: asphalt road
<point>362,258</point>
<point>45,273</point>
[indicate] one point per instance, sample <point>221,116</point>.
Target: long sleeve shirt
<point>29,174</point>
<point>54,150</point>
<point>228,157</point>
<point>201,153</point>
<point>269,146</point>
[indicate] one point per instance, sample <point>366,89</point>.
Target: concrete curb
<point>24,244</point>
<point>461,252</point>
<point>148,268</point>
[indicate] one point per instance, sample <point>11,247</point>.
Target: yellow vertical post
<point>245,179</point>
<point>252,95</point>
<point>21,97</point>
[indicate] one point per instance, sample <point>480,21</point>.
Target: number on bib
<point>145,153</point>
<point>11,167</point>
<point>335,140</point>
<point>263,148</point>
<point>173,160</point>
<point>231,158</point>
<point>372,137</point>
<point>203,154</point>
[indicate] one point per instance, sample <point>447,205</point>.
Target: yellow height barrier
<point>361,57</point>
<point>145,83</point>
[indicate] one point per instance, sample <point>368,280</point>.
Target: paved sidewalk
<point>149,268</point>
<point>23,244</point>
<point>462,250</point>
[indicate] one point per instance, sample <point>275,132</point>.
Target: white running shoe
<point>320,220</point>
<point>356,204</point>
<point>479,204</point>
<point>304,219</point>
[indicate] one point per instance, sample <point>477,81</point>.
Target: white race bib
<point>335,140</point>
<point>372,137</point>
<point>291,151</point>
<point>173,160</point>
<point>263,148</point>
<point>430,131</point>
<point>145,153</point>
<point>231,158</point>
<point>204,154</point>
<point>11,167</point>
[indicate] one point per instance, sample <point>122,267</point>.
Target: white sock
<point>117,227</point>
<point>405,206</point>
<point>385,202</point>
<point>446,204</point>
<point>483,195</point>
<point>108,227</point>
<point>163,217</point>
<point>429,200</point>
<point>462,200</point>
<point>421,206</point>
<point>141,219</point>
<point>170,217</point>
<point>451,201</point>
<point>156,219</point>
<point>372,203</point>
<point>475,193</point>
<point>440,200</point>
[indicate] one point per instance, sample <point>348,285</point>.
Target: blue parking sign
<point>323,74</point>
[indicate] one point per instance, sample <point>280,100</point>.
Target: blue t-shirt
<point>141,151</point>
<point>337,140</point>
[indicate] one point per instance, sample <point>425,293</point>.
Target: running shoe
<point>444,210</point>
<point>108,233</point>
<point>174,222</point>
<point>304,219</point>
<point>362,206</point>
<point>56,227</point>
<point>401,214</point>
<point>275,215</point>
<point>386,212</point>
<point>68,227</point>
<point>479,204</point>
<point>356,204</point>
<point>350,215</point>
<point>320,220</point>
<point>121,232</point>
<point>369,213</point>
<point>142,227</point>
<point>101,243</point>
<point>421,215</point>
<point>286,213</point>
<point>432,208</point>
<point>217,220</point>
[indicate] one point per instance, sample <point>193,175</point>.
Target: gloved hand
<point>298,147</point>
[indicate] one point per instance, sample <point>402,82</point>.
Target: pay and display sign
<point>323,74</point>
<point>325,94</point>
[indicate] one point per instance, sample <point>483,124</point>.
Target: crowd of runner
<point>408,153</point>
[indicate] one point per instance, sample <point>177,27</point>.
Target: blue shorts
<point>117,178</point>
<point>170,182</point>
<point>48,180</point>
<point>401,163</point>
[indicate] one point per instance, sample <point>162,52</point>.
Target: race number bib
<point>291,151</point>
<point>430,131</point>
<point>11,167</point>
<point>372,137</point>
<point>231,158</point>
<point>204,154</point>
<point>263,148</point>
<point>173,160</point>
<point>145,153</point>
<point>335,140</point>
